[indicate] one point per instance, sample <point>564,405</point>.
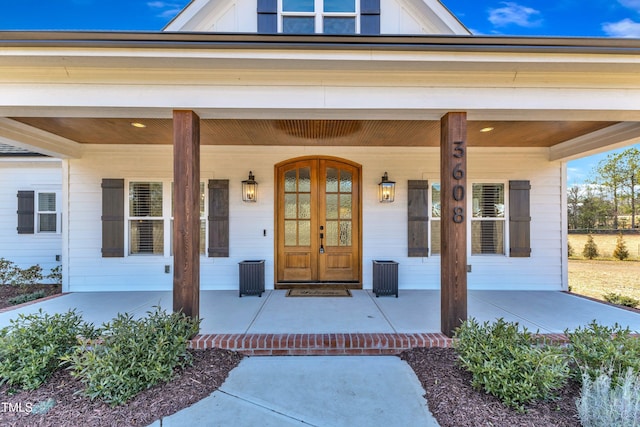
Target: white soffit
<point>612,137</point>
<point>36,140</point>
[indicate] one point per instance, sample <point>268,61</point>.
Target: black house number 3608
<point>458,189</point>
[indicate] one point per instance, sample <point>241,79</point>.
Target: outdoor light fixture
<point>250,189</point>
<point>386,190</point>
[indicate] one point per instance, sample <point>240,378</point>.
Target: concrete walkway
<point>318,391</point>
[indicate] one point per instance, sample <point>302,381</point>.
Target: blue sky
<point>581,18</point>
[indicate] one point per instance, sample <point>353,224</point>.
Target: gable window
<point>146,221</point>
<point>488,221</point>
<point>47,215</point>
<point>319,16</point>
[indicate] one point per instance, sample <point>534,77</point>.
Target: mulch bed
<point>454,403</point>
<point>209,370</point>
<point>7,292</point>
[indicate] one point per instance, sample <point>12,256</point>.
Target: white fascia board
<point>609,138</point>
<point>36,140</point>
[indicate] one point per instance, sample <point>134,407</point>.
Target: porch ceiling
<point>315,132</point>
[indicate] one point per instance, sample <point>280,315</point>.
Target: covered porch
<point>363,324</point>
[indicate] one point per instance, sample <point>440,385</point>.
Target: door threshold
<point>318,285</point>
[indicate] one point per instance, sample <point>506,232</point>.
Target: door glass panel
<point>332,206</point>
<point>304,233</point>
<point>304,206</point>
<point>346,182</point>
<point>332,233</point>
<point>332,180</point>
<point>290,233</point>
<point>345,206</point>
<point>290,206</point>
<point>290,181</point>
<point>304,180</point>
<point>345,233</point>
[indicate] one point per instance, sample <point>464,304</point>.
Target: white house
<point>30,208</point>
<point>318,101</point>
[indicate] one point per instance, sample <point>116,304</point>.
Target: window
<point>319,16</point>
<point>47,216</point>
<point>435,219</point>
<point>488,221</point>
<point>146,221</point>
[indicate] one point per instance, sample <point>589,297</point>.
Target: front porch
<point>362,324</point>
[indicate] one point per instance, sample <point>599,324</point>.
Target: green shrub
<point>31,346</point>
<point>590,250</point>
<point>619,299</point>
<point>132,355</point>
<point>621,252</point>
<point>595,348</point>
<point>508,363</point>
<point>28,276</point>
<point>603,403</point>
<point>26,297</point>
<point>7,271</point>
<point>56,274</point>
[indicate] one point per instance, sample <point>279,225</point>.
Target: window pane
<point>290,181</point>
<point>435,201</point>
<point>304,180</point>
<point>304,206</point>
<point>290,206</point>
<point>298,24</point>
<point>339,6</point>
<point>435,237</point>
<point>345,181</point>
<point>488,200</point>
<point>297,5</point>
<point>345,206</point>
<point>47,222</point>
<point>487,237</point>
<point>146,236</point>
<point>331,238</point>
<point>332,180</point>
<point>335,25</point>
<point>291,233</point>
<point>345,233</point>
<point>47,202</point>
<point>304,233</point>
<point>332,206</point>
<point>145,199</point>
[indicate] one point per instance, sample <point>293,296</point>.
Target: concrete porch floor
<point>276,324</point>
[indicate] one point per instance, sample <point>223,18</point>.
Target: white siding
<point>40,175</point>
<point>384,225</point>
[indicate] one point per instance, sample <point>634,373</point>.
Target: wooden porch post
<point>453,223</point>
<point>186,213</point>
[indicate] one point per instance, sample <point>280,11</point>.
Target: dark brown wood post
<point>453,222</point>
<point>186,212</point>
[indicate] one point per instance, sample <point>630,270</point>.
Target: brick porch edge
<point>337,344</point>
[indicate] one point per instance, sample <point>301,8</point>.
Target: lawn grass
<point>603,275</point>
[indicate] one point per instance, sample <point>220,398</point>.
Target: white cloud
<point>516,14</point>
<point>626,28</point>
<point>631,4</point>
<point>166,9</point>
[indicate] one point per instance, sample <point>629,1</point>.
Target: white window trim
<point>37,212</point>
<point>319,15</point>
<point>432,218</point>
<point>167,217</point>
<point>505,243</point>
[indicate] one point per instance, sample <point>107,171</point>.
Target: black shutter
<point>267,16</point>
<point>370,17</point>
<point>519,219</point>
<point>418,218</point>
<point>112,218</point>
<point>25,212</point>
<point>218,218</point>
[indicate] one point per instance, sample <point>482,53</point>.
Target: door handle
<point>321,237</point>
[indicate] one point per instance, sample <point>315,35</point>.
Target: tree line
<point>608,199</point>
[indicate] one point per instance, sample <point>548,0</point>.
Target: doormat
<point>318,293</point>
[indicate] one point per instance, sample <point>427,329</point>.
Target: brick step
<point>337,344</point>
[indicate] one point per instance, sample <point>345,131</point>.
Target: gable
<point>424,17</point>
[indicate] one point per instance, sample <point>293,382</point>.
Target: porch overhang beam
<point>186,213</point>
<point>453,221</point>
<point>37,140</point>
<point>609,138</point>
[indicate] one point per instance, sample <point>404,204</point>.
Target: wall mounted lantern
<point>386,189</point>
<point>250,189</point>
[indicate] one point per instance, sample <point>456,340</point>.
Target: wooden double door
<point>318,222</point>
